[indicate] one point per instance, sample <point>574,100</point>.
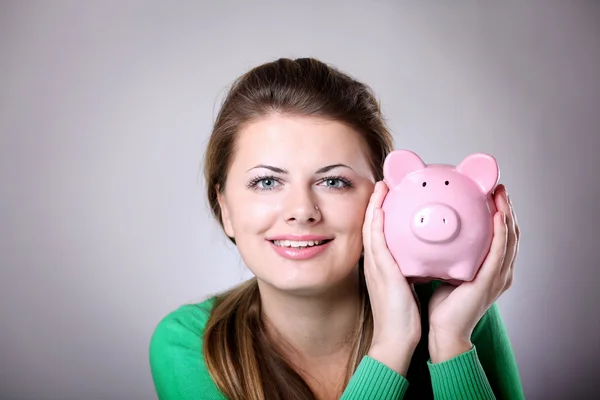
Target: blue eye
<point>336,182</point>
<point>262,183</point>
<point>267,183</point>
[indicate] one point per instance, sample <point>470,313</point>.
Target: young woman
<point>294,176</point>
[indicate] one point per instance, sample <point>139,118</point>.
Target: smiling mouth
<point>299,244</point>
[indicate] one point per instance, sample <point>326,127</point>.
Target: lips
<point>299,243</point>
<point>300,247</point>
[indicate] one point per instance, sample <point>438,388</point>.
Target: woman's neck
<point>313,328</point>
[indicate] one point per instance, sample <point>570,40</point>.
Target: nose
<point>301,208</point>
<point>436,223</point>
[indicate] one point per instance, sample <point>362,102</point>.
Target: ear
<point>482,168</point>
<point>398,164</point>
<point>225,214</point>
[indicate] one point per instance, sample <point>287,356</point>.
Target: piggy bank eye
<point>424,184</point>
<point>447,183</point>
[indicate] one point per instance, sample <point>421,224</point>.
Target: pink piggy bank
<point>438,220</point>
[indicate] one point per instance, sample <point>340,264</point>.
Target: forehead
<point>284,139</point>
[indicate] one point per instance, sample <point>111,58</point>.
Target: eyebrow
<point>283,171</point>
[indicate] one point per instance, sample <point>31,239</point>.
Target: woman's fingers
<point>381,255</point>
<point>380,193</point>
<point>503,204</point>
<point>489,272</point>
<point>377,255</point>
<point>368,221</point>
<point>515,234</point>
<point>369,264</point>
<point>376,201</point>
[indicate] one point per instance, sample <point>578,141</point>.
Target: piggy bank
<point>438,218</point>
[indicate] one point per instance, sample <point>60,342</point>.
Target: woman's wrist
<point>443,348</point>
<point>394,356</point>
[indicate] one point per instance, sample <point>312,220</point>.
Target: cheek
<point>254,213</point>
<point>349,214</point>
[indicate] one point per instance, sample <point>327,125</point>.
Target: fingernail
<point>503,216</point>
<point>506,196</point>
<point>375,214</point>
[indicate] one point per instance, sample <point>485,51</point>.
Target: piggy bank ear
<point>482,168</point>
<point>398,164</point>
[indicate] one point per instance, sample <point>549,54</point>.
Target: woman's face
<point>295,201</point>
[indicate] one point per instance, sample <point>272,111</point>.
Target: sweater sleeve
<point>373,380</point>
<point>487,371</point>
<point>176,360</point>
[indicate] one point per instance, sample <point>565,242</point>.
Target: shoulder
<point>185,322</point>
<point>176,360</point>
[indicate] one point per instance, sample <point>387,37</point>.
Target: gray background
<point>105,109</point>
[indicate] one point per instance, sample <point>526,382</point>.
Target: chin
<point>306,290</point>
<point>309,284</point>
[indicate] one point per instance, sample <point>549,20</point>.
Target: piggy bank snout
<point>435,223</point>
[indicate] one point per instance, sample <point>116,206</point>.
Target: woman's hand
<point>397,322</point>
<point>454,312</point>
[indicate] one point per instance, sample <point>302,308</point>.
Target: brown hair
<point>241,359</point>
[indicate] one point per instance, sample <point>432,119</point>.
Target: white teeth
<point>295,243</point>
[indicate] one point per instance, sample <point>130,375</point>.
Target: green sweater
<point>487,371</point>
